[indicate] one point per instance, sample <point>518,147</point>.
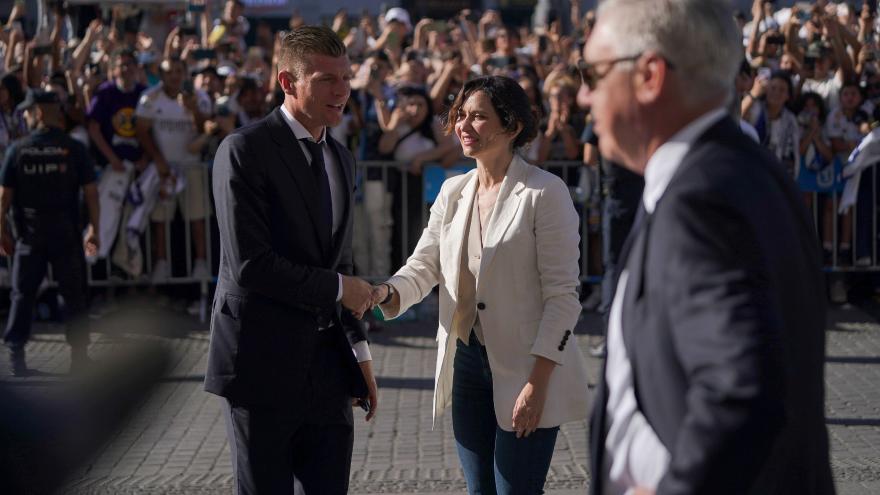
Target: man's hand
<point>379,294</point>
<point>372,389</point>
<point>162,167</point>
<point>640,490</point>
<point>211,127</point>
<point>357,295</point>
<point>91,242</point>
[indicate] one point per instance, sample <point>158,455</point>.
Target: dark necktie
<point>325,201</point>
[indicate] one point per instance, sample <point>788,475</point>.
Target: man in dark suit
<point>286,351</point>
<point>713,381</point>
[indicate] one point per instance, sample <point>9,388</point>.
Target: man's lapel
<point>346,168</point>
<point>635,267</point>
<point>296,163</point>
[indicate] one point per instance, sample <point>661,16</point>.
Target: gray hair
<point>698,37</point>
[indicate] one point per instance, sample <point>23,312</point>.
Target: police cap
<point>38,97</point>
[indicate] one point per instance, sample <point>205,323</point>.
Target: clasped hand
<point>358,296</point>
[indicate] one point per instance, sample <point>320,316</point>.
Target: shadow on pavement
<point>405,383</point>
<point>853,359</point>
<point>853,421</point>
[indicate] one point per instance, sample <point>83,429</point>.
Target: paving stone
<point>175,442</point>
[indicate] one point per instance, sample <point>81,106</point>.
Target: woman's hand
<point>528,409</point>
<point>530,404</point>
<point>815,125</point>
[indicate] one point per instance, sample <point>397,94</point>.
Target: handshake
<point>358,296</point>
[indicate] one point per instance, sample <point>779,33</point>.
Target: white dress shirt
<point>361,349</point>
<point>634,455</point>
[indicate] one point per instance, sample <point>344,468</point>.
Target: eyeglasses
<point>591,76</point>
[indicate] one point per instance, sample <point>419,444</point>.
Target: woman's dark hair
<point>16,93</point>
<point>509,101</point>
<point>817,99</point>
<point>426,128</point>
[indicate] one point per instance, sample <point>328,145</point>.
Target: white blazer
<point>526,288</point>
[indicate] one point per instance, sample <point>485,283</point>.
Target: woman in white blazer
<point>502,244</point>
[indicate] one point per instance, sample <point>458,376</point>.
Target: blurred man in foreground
<point>714,375</point>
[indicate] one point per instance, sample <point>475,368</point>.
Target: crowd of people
<point>810,89</point>
<point>159,88</point>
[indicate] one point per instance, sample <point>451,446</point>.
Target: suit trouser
<point>61,248</point>
<point>307,442</point>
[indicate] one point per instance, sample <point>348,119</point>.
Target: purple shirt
<point>113,109</point>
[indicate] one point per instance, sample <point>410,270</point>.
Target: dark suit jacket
<point>723,322</point>
<point>278,277</point>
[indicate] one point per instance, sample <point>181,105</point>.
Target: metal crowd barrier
<point>397,183</point>
<point>396,190</point>
<point>857,227</point>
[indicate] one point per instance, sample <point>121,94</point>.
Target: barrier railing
<point>387,194</point>
<point>848,236</point>
<point>392,206</point>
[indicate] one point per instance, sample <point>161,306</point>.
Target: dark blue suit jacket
<point>278,277</point>
<point>724,324</point>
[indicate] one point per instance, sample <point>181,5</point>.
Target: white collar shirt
<point>361,349</point>
<point>330,162</point>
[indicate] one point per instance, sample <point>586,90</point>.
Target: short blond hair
<point>304,41</point>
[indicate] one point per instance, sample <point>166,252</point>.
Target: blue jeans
<point>494,461</point>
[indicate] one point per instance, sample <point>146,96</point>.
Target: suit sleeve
<point>725,329</point>
<point>557,247</point>
<point>243,212</point>
<point>355,330</point>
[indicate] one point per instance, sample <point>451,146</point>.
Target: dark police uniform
<point>46,171</point>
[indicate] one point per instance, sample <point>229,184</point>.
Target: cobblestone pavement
<point>175,441</point>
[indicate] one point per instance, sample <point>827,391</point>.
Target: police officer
<point>41,179</point>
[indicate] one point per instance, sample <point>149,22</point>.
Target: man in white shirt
<point>720,273</point>
<point>169,117</point>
